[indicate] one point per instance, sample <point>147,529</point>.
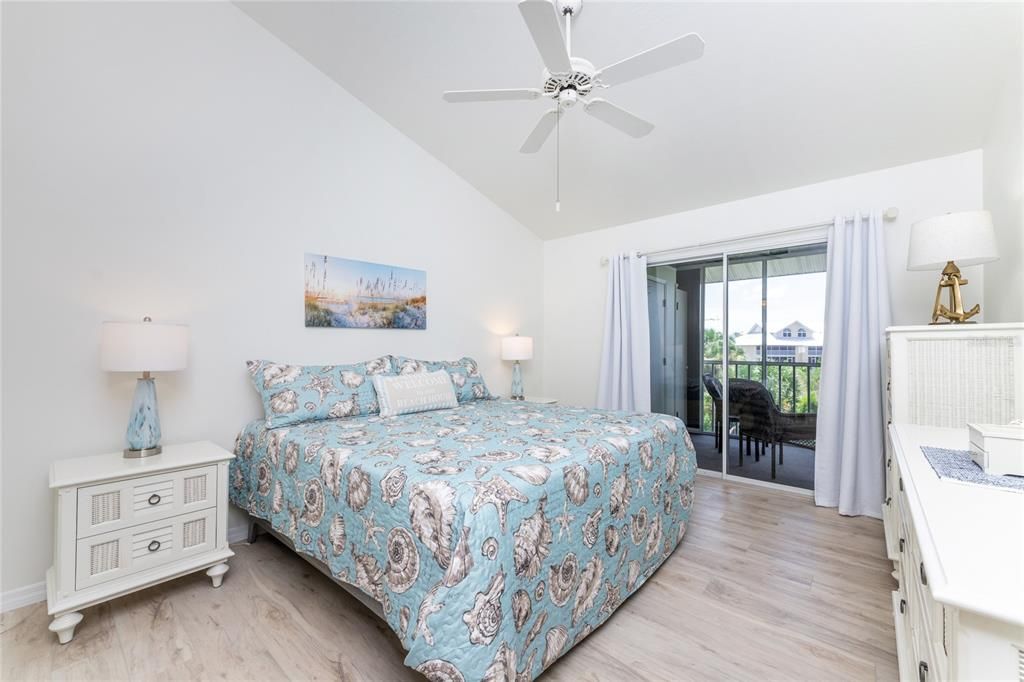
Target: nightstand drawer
<point>112,506</point>
<point>114,555</point>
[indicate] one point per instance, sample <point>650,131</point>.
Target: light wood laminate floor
<point>765,586</point>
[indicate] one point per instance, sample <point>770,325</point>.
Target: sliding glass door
<point>736,352</point>
<point>680,320</point>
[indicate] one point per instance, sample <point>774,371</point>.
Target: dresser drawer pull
<point>903,605</point>
<point>901,485</point>
<point>153,546</point>
<point>902,544</point>
<point>924,578</point>
<point>154,499</point>
<point>922,671</point>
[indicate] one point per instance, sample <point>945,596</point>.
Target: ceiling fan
<point>568,80</point>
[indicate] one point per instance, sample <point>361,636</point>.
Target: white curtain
<point>625,379</point>
<point>849,456</point>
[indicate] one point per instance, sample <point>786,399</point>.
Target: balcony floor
<point>797,470</point>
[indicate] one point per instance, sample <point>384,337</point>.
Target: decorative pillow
<point>418,392</point>
<point>293,393</point>
<point>469,383</point>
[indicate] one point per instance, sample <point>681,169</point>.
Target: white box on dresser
<point>957,548</point>
<point>122,525</point>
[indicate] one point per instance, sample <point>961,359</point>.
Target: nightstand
<point>122,525</point>
<point>539,400</point>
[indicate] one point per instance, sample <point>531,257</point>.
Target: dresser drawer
<point>114,555</point>
<point>891,515</point>
<point>112,506</point>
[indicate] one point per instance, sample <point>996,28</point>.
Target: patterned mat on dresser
<point>958,465</point>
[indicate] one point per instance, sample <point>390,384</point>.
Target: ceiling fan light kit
<point>569,80</point>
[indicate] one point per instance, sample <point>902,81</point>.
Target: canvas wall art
<point>356,294</point>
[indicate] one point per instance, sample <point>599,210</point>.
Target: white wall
<point>176,160</point>
<point>1004,197</point>
<point>575,281</point>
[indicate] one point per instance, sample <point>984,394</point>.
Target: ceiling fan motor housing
<point>580,79</point>
<point>573,7</point>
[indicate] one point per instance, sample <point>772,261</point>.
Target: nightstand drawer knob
<point>154,546</point>
<point>154,499</point>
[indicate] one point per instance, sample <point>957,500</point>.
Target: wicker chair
<point>747,402</point>
<point>762,421</point>
<point>714,388</point>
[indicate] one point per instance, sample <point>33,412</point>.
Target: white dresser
<point>125,524</point>
<point>957,548</point>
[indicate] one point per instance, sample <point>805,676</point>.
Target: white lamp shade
<point>517,348</point>
<point>967,238</point>
<point>143,347</point>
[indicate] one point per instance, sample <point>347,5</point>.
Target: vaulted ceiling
<point>785,95</point>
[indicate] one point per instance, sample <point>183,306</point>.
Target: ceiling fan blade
<point>616,117</point>
<point>491,95</point>
<point>542,20</point>
<point>673,53</point>
<point>540,132</point>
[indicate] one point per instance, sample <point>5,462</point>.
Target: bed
<point>494,536</point>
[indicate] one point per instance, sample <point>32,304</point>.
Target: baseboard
<point>22,596</point>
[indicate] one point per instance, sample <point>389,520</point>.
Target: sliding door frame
<point>723,250</point>
<point>724,453</point>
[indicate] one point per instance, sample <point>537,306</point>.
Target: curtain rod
<point>888,215</point>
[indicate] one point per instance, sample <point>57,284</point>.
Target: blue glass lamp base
<point>143,435</point>
<point>517,382</point>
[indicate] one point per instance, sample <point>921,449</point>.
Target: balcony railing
<point>793,384</point>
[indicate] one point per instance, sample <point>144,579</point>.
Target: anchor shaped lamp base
<point>954,313</point>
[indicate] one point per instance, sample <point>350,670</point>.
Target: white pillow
<point>404,394</point>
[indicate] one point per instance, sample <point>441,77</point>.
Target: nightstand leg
<point>64,625</point>
<point>216,573</point>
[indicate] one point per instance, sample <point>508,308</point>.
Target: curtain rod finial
<point>891,213</point>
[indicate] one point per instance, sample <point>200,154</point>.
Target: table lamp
<point>517,348</point>
<point>968,239</point>
<point>144,347</point>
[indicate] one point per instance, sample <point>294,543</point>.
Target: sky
<point>793,297</point>
<point>343,275</point>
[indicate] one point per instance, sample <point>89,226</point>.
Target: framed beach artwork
<point>355,294</point>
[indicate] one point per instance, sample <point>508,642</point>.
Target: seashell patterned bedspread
<point>495,535</point>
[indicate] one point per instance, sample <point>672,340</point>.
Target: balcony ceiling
<point>786,94</point>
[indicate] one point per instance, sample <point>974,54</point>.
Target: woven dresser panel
<point>195,489</point>
<point>104,557</point>
<point>106,507</point>
<point>981,390</point>
<point>194,533</point>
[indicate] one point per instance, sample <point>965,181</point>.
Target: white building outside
<point>796,342</point>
